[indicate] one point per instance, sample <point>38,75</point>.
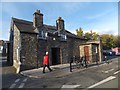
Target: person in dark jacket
<point>46,63</point>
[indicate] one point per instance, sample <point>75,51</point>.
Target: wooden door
<point>86,52</point>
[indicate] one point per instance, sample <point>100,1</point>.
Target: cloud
<point>107,31</point>
<point>99,15</point>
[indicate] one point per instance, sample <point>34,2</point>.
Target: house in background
<point>3,48</point>
<point>30,40</point>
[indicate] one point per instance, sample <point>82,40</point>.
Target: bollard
<point>71,61</point>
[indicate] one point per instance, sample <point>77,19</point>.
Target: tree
<point>109,41</point>
<point>95,36</point>
<point>91,35</point>
<point>79,32</point>
<point>88,35</point>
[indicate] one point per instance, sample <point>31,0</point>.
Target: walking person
<point>85,60</point>
<point>46,63</point>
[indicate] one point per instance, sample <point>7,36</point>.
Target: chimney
<point>37,19</point>
<point>60,24</point>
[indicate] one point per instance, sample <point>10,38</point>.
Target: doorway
<point>86,52</point>
<point>55,56</point>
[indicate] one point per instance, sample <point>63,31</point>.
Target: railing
<point>82,62</point>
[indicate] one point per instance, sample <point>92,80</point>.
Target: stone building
<point>30,40</point>
<point>92,50</point>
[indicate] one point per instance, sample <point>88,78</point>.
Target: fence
<point>82,62</point>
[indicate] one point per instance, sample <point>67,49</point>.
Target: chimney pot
<point>59,17</point>
<point>60,23</point>
<point>37,19</point>
<point>38,11</point>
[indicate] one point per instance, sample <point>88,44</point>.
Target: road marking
<point>21,85</point>
<point>70,86</point>
<point>116,72</point>
<point>25,80</point>
<point>103,81</point>
<point>13,85</point>
<point>17,80</point>
<point>108,71</point>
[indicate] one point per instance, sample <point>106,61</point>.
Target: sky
<point>101,17</point>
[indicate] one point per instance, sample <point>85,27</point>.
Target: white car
<point>118,54</point>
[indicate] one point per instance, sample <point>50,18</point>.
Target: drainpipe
<point>37,49</point>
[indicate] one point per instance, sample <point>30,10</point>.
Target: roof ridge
<point>21,21</point>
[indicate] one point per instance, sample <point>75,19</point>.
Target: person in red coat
<point>46,63</point>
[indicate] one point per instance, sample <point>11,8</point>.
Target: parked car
<point>108,53</point>
<point>118,54</point>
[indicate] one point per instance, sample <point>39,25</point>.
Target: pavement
<point>5,68</point>
<point>58,71</point>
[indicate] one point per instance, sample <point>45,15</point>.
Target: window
<point>1,49</point>
<point>63,37</point>
<point>95,49</point>
<point>42,34</point>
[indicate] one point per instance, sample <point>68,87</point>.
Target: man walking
<point>46,63</point>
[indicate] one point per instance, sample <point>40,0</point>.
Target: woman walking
<point>46,63</point>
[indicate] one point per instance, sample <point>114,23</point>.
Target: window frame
<point>43,35</point>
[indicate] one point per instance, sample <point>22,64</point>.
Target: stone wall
<point>47,45</point>
<point>95,51</point>
<point>77,43</point>
<point>68,49</point>
<point>10,49</point>
<point>33,50</point>
<point>81,47</point>
<point>42,48</point>
<point>28,50</point>
<point>16,55</point>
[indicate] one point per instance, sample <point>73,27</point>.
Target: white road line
<point>108,71</point>
<point>17,80</point>
<point>116,72</point>
<point>103,81</point>
<point>21,85</point>
<point>13,86</point>
<point>70,86</point>
<point>25,80</point>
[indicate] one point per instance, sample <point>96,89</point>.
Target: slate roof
<point>24,26</point>
<point>27,27</point>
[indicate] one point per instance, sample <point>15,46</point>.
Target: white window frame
<point>63,37</point>
<point>43,35</point>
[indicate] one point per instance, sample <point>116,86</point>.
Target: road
<point>100,76</point>
<point>113,83</point>
<point>7,75</point>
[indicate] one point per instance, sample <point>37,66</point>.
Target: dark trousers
<point>47,67</point>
